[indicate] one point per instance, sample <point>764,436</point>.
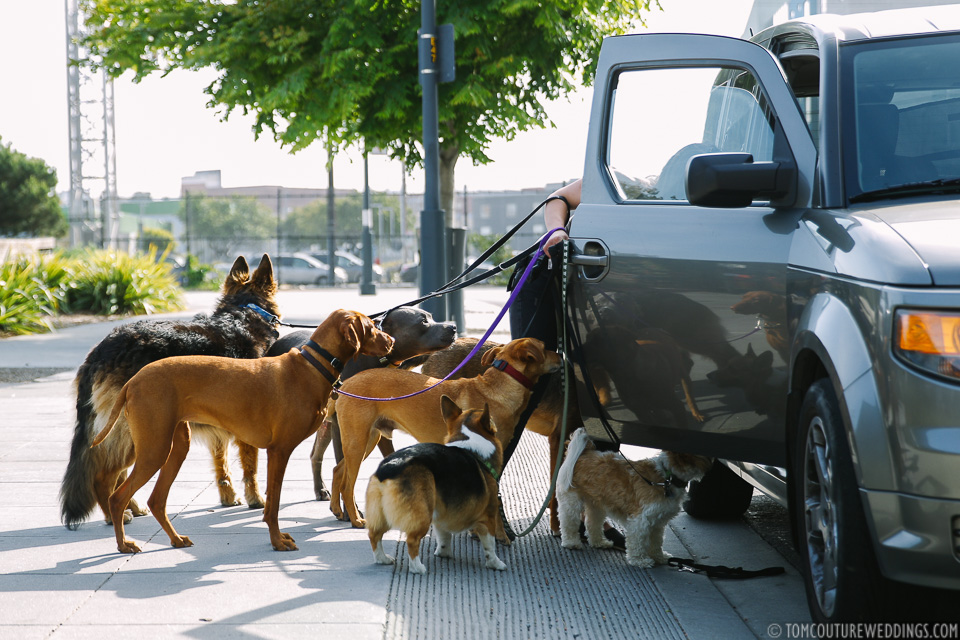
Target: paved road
<point>231,584</point>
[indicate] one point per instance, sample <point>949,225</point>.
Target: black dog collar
<point>334,362</point>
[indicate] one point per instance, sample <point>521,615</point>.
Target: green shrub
<point>27,302</point>
<point>110,282</point>
<point>200,275</point>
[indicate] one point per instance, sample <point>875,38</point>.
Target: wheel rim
<point>820,518</point>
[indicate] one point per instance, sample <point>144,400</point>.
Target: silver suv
<point>768,272</point>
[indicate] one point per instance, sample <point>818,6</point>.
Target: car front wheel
<point>842,578</point>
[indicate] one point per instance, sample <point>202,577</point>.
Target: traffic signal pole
<point>432,256</point>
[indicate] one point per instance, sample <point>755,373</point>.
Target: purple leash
<point>473,352</point>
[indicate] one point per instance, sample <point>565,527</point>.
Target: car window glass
<point>662,117</point>
<point>907,110</point>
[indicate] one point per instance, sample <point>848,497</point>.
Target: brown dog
<point>505,387</point>
<point>414,332</point>
<point>269,403</point>
<point>451,486</point>
<point>235,329</point>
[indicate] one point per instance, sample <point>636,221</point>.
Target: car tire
<point>840,570</point>
<point>720,495</point>
<point>321,281</point>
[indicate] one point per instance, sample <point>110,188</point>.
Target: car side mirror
<point>735,180</point>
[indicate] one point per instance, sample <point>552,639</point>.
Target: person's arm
<point>556,214</point>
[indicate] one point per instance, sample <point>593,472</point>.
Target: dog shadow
<point>225,539</point>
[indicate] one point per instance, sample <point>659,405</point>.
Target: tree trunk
<point>448,161</point>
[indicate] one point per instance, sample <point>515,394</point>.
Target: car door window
<point>663,117</point>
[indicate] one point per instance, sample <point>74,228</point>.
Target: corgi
<point>452,486</point>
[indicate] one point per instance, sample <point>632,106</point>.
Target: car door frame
<point>600,199</point>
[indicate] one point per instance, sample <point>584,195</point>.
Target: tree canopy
<point>347,70</point>
<point>29,204</point>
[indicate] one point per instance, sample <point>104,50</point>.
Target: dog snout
<point>552,361</point>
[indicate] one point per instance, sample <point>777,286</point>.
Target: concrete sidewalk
<point>231,584</point>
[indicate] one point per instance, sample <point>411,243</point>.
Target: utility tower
<point>93,209</point>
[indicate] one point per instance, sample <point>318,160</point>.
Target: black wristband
<point>565,201</point>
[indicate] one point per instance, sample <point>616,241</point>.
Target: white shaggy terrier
<point>641,496</point>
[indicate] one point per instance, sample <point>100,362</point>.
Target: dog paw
<point>416,566</point>
<point>181,542</point>
<point>228,497</point>
<point>359,523</point>
<point>496,563</point>
<point>127,517</point>
<point>443,552</point>
<point>323,495</point>
<point>128,546</point>
<point>659,558</point>
<point>571,544</point>
<point>601,543</point>
<point>640,561</point>
<point>134,508</point>
<point>384,559</point>
<point>284,542</point>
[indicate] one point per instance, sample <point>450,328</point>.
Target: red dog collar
<point>508,369</point>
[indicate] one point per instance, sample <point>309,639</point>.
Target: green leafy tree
<point>28,199</point>
<point>347,70</point>
<point>226,223</point>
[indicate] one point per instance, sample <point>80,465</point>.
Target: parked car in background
<point>352,265</point>
<point>773,226</point>
<point>301,268</point>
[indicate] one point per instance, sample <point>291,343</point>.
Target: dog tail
<point>77,495</point>
<point>579,442</point>
<point>114,416</point>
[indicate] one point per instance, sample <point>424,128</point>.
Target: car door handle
<point>588,261</point>
<point>593,260</point>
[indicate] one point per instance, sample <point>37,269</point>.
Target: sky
<point>165,131</point>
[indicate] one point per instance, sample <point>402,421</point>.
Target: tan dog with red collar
<point>269,403</point>
<point>505,387</point>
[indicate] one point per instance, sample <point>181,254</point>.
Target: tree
<point>348,69</point>
<point>28,202</point>
<point>226,223</point>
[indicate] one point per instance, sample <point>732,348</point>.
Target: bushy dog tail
<point>579,442</point>
<point>77,495</point>
<point>114,416</point>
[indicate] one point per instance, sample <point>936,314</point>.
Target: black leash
<point>720,571</point>
<point>449,287</point>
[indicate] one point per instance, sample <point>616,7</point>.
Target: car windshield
<point>904,97</point>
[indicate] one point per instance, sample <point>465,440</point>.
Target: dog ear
<point>239,272</point>
<point>263,276</point>
<point>532,351</point>
<point>490,355</point>
<point>449,408</point>
<point>351,328</point>
<point>485,420</point>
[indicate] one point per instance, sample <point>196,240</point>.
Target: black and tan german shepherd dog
<point>240,327</point>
